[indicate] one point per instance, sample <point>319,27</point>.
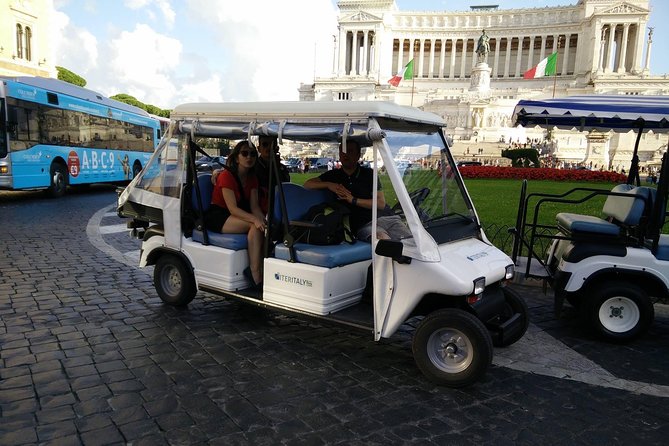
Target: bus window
<point>24,125</point>
<point>3,129</point>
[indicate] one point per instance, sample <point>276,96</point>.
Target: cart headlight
<point>509,272</point>
<point>4,169</point>
<point>479,285</point>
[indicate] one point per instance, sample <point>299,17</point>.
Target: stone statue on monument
<point>483,47</point>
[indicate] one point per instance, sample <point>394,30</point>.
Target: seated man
<point>353,184</point>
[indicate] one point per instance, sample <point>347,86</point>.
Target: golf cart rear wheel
<point>514,304</point>
<point>620,311</point>
<point>452,348</point>
<point>174,280</point>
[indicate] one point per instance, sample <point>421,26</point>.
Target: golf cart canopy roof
<point>304,110</point>
<point>620,113</point>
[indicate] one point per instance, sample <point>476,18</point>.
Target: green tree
<point>131,100</point>
<point>66,75</point>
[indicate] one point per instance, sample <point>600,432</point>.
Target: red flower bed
<point>528,173</point>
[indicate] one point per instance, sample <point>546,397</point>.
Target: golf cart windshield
<point>428,173</point>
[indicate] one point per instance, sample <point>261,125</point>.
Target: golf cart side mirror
<point>392,249</point>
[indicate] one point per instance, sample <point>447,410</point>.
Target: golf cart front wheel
<point>620,312</point>
<point>452,348</point>
<point>174,280</point>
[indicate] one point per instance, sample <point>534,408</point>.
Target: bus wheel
<point>136,169</point>
<point>620,311</point>
<point>452,348</point>
<point>58,181</point>
<point>174,281</point>
<point>514,304</point>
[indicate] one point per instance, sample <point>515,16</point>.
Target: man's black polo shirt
<point>360,184</point>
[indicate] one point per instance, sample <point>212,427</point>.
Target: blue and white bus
<point>54,134</point>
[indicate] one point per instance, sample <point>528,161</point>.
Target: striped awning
<point>620,113</point>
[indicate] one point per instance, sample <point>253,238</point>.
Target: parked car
<point>293,165</point>
<point>318,163</point>
<point>469,163</point>
<point>210,163</point>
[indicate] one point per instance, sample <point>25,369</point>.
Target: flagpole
<point>412,84</point>
<point>557,57</point>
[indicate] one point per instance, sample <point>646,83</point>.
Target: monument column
<point>463,58</point>
<point>646,68</point>
<point>622,68</point>
<point>602,52</point>
<point>530,56</point>
<point>609,49</point>
<point>354,53</point>
<point>495,63</point>
<point>365,52</point>
<point>430,71</point>
<point>542,53</point>
<point>451,71</point>
<point>519,55</point>
<point>638,51</point>
<point>442,55</point>
<point>507,57</point>
<point>341,47</point>
<point>565,57</point>
<point>421,58</point>
<point>400,56</point>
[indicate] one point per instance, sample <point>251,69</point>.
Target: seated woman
<point>235,208</point>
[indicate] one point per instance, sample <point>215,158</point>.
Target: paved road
<point>88,354</point>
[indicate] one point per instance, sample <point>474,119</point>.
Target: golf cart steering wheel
<point>416,197</point>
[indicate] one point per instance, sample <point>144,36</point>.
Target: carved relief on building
<point>625,8</point>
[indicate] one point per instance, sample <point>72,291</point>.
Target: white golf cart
<point>612,266</point>
<point>446,271</point>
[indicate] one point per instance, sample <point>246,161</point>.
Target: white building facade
<point>25,49</point>
<point>603,46</point>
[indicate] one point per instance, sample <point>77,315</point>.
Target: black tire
<point>59,180</point>
<point>619,311</point>
<point>513,304</point>
<point>452,348</point>
<point>174,280</point>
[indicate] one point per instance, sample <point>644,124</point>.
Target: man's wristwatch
<point>354,201</point>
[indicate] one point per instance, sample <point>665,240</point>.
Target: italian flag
<point>407,73</point>
<point>544,68</point>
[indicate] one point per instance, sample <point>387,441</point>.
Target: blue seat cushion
<point>663,248</point>
<point>576,224</point>
<point>329,256</point>
<point>228,241</point>
<point>298,200</point>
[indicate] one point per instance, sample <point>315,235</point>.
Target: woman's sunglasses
<point>247,153</point>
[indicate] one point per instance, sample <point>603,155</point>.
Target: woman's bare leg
<point>256,238</point>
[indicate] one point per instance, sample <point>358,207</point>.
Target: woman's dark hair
<point>233,159</point>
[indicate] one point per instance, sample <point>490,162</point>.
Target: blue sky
<point>166,52</point>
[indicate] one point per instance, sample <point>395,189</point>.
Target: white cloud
<point>269,45</point>
<point>221,50</point>
<point>74,48</point>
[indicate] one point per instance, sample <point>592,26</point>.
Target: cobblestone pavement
<point>89,355</point>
